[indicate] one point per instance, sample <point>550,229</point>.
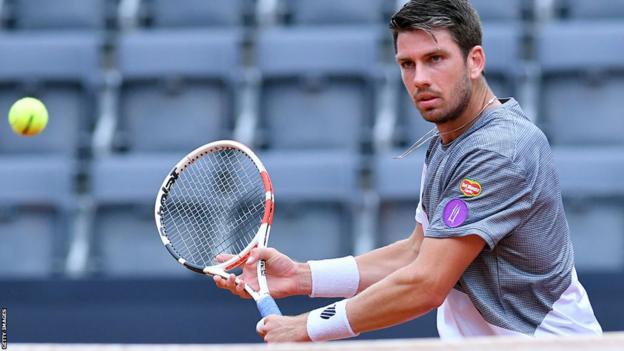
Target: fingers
<point>233,284</point>
<point>220,258</point>
<point>265,253</point>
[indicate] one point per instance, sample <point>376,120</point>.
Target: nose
<point>421,77</point>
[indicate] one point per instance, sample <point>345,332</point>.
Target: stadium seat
<point>38,172</point>
<point>60,14</point>
<point>500,11</point>
<point>34,213</point>
<point>180,84</point>
<point>317,86</point>
<point>176,93</point>
<point>397,185</point>
<point>594,200</point>
<point>315,104</point>
<point>593,10</point>
<point>196,13</point>
<point>315,202</point>
<point>581,84</point>
<point>126,241</point>
<point>344,12</point>
<point>597,232</point>
<point>59,68</point>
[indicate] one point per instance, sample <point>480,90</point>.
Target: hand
<point>284,328</point>
<point>284,276</point>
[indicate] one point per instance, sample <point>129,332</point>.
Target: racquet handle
<point>267,306</point>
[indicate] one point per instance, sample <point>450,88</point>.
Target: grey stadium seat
<point>180,84</point>
<point>593,10</point>
<point>38,172</point>
<point>315,103</point>
<point>397,183</point>
<point>176,93</point>
<point>59,68</point>
<point>582,66</point>
<point>594,201</point>
<point>317,86</point>
<point>196,13</point>
<point>499,11</point>
<point>60,14</point>
<point>34,212</point>
<point>126,241</point>
<point>315,199</point>
<point>344,12</point>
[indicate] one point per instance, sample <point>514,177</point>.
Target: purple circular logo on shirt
<point>455,213</point>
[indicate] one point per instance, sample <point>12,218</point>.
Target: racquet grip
<point>267,306</point>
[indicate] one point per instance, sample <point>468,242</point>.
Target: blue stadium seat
<point>126,241</point>
<point>593,193</point>
<point>60,14</point>
<point>597,232</point>
<point>316,102</point>
<point>38,172</point>
<point>315,197</point>
<point>594,10</point>
<point>59,68</point>
<point>344,12</point>
<point>196,13</point>
<point>176,93</point>
<point>35,206</point>
<point>499,11</point>
<point>397,183</point>
<point>317,86</point>
<point>180,84</point>
<point>582,81</point>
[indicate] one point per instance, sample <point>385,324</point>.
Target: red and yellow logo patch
<point>470,187</point>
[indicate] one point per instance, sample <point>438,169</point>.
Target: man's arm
<point>287,277</point>
<point>416,288</point>
<point>411,291</point>
<point>377,264</point>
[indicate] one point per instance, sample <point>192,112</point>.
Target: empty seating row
<point>315,107</point>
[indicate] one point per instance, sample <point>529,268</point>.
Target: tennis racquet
<point>218,200</point>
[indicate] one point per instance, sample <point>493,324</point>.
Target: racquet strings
<point>216,206</point>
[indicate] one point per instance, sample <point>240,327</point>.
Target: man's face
<point>434,74</point>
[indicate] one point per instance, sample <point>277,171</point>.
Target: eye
<point>435,58</point>
<point>406,64</point>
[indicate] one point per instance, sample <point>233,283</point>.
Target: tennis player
<point>491,248</point>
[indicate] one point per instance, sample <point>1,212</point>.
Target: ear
<point>476,62</point>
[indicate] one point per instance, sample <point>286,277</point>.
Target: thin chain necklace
<point>434,132</point>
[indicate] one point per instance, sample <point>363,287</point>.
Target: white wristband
<point>330,323</point>
<point>338,277</point>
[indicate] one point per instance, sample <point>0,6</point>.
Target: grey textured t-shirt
<point>497,180</point>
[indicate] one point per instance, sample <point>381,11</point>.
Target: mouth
<point>426,101</point>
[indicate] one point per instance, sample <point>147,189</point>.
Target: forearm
<point>400,297</point>
<point>404,294</point>
<point>303,279</point>
<point>377,264</point>
<point>344,277</point>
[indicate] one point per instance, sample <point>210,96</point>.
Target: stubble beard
<point>463,92</point>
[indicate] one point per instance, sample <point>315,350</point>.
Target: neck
<point>481,99</point>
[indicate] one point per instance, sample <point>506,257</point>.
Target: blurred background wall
<point>133,85</point>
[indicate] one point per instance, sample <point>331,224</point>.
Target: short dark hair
<point>457,16</point>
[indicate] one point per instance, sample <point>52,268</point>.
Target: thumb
<point>260,254</point>
<point>260,327</point>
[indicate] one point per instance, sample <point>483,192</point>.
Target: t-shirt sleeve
<point>487,195</point>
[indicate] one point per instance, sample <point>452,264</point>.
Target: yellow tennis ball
<point>28,116</point>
